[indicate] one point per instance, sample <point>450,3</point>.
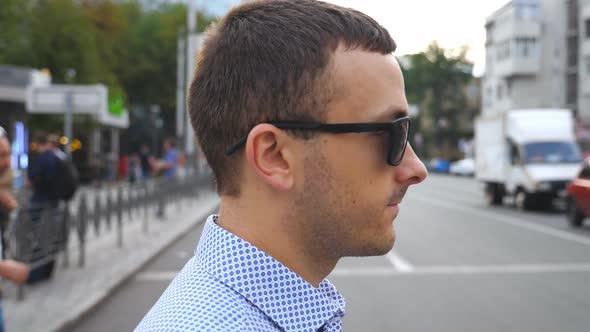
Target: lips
<point>396,199</point>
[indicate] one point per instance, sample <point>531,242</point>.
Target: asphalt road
<point>458,265</point>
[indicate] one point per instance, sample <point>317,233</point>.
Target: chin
<point>379,246</point>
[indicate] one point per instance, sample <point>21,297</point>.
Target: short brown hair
<point>266,61</point>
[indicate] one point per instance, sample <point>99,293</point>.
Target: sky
<point>413,24</point>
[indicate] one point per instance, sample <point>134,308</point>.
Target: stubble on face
<point>332,220</point>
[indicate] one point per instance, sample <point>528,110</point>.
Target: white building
<point>525,56</point>
<point>578,59</point>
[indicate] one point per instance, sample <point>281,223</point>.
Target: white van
<point>528,154</point>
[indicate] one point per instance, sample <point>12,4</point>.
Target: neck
<point>264,224</point>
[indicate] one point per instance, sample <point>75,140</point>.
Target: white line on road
<point>522,223</point>
<point>167,276</point>
<point>505,269</point>
<point>156,276</point>
<point>464,270</point>
<point>399,263</point>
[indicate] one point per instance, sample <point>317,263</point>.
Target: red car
<point>578,200</point>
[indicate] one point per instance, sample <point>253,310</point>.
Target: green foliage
<point>124,44</point>
<point>13,17</point>
<point>435,80</point>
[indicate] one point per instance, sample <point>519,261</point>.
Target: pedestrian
<point>53,178</point>
<point>8,202</point>
<point>145,159</point>
<point>299,107</point>
<point>168,165</point>
<point>45,173</point>
<point>166,168</point>
<point>14,271</point>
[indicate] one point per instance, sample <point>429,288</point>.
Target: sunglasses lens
<point>398,137</point>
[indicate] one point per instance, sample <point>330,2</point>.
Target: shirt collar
<point>287,299</point>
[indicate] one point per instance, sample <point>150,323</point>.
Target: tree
<point>435,80</point>
<point>15,31</point>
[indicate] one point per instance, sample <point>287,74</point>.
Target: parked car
<point>463,167</point>
<point>438,165</point>
<point>578,196</point>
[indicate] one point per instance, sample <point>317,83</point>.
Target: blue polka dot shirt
<point>230,285</point>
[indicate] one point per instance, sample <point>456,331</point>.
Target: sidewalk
<point>73,291</point>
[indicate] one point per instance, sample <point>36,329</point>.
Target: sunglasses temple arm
<point>236,146</point>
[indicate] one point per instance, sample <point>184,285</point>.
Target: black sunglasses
<point>397,139</point>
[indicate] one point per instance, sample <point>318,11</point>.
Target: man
<point>7,200</point>
<point>169,164</point>
<point>44,170</point>
<point>12,270</point>
<point>167,167</point>
<point>43,176</point>
<point>15,272</point>
<point>300,109</point>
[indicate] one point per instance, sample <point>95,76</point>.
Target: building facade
<point>525,57</point>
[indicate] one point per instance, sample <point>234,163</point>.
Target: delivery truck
<point>529,155</point>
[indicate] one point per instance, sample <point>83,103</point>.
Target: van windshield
<point>552,153</point>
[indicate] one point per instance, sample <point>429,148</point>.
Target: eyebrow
<point>393,113</point>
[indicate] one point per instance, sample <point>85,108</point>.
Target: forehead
<point>369,87</point>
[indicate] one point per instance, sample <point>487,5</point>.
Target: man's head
<point>53,141</point>
<point>309,61</point>
<point>42,141</point>
<point>4,154</point>
<point>169,143</point>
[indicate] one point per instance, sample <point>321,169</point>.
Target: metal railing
<point>39,234</point>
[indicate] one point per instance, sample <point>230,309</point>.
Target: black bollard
<point>120,218</point>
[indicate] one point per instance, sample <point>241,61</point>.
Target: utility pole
<point>191,49</point>
<point>180,87</point>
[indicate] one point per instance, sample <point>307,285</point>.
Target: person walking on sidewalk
<point>300,109</point>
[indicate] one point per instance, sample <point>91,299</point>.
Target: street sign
<point>85,99</point>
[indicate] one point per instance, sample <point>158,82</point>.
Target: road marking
<point>167,276</point>
<point>156,276</point>
<point>505,269</point>
<point>183,254</point>
<point>463,270</point>
<point>399,263</point>
<point>522,223</point>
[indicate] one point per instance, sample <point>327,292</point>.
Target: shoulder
<point>196,301</point>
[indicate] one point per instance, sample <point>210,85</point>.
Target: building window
<point>503,50</point>
<point>499,92</point>
<point>489,96</point>
<point>572,89</point>
<point>587,64</point>
<point>526,9</point>
<point>526,47</point>
<point>587,24</point>
<point>572,51</point>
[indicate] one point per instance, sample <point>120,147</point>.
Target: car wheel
<point>493,195</point>
<point>523,201</point>
<point>575,216</point>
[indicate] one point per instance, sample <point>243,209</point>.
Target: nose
<point>411,170</point>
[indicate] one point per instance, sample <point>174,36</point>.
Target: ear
<point>270,155</point>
